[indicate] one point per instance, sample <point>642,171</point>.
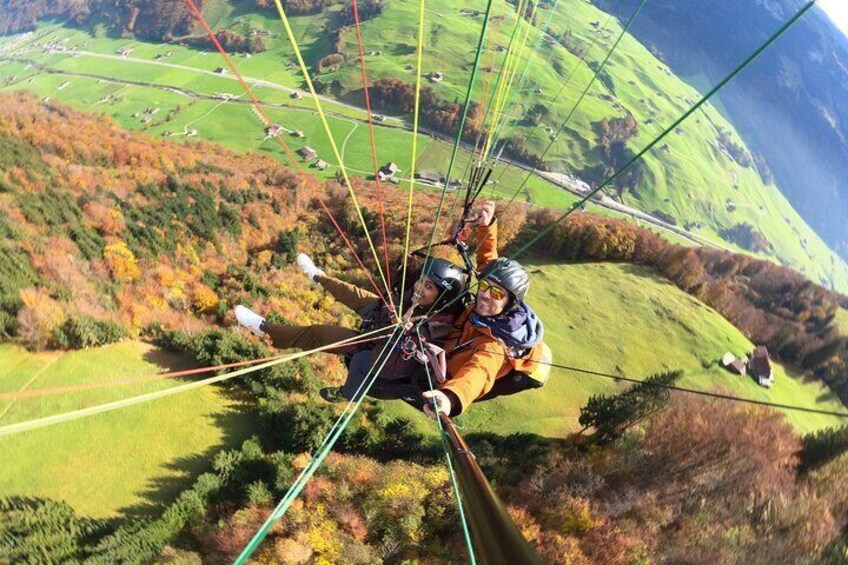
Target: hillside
<point>100,224</point>
<point>789,107</point>
<point>701,179</point>
<point>622,319</point>
<point>153,451</point>
<point>108,233</point>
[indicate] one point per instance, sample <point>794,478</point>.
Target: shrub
<point>80,332</point>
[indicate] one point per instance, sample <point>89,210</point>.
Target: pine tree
<point>822,446</point>
<point>610,416</point>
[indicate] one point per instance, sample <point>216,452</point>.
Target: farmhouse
<point>760,365</point>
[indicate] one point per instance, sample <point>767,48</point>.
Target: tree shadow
<point>828,397</point>
<point>170,361</point>
<point>237,424</point>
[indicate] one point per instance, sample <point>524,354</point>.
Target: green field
<point>687,176</point>
<point>119,463</point>
<point>621,319</point>
<point>842,320</point>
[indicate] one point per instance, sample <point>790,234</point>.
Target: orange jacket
<point>475,358</point>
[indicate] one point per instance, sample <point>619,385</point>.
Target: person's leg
<point>393,382</point>
<point>510,384</point>
<point>310,337</point>
<point>350,295</point>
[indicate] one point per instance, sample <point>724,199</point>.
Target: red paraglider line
<point>371,135</point>
<point>356,256</point>
<point>258,105</point>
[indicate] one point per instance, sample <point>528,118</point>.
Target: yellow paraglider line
<point>500,115</point>
<point>414,144</point>
<point>332,140</point>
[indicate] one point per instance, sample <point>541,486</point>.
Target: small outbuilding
<point>387,171</point>
<point>307,152</point>
<point>760,365</point>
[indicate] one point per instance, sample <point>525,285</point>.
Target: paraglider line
<point>324,449</point>
<point>388,305</point>
<point>371,136</point>
<point>461,126</point>
<point>419,59</point>
<point>443,436</point>
<point>598,72</point>
<point>110,406</point>
<point>332,141</point>
<point>704,99</point>
<point>53,391</point>
<point>715,395</point>
<point>256,103</point>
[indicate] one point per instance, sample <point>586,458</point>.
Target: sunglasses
<point>494,291</point>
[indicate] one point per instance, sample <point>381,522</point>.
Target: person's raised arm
<point>487,235</point>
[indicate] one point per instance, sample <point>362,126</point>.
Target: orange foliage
<point>204,299</point>
<point>39,317</point>
<point>106,220</point>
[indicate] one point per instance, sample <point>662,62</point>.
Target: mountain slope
<point>702,177</point>
<point>790,106</point>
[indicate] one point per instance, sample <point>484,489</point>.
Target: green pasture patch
<point>621,319</point>
<point>842,320</point>
<point>119,463</point>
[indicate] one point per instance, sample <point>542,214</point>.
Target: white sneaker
<point>249,319</point>
<point>306,265</point>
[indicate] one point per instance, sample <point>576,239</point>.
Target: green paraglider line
<point>601,67</point>
<point>704,99</point>
<point>565,84</point>
<point>465,530</point>
<point>461,127</point>
<point>523,79</point>
<point>324,449</point>
<point>659,138</point>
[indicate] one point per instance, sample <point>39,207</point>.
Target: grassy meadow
<point>687,176</point>
<point>842,320</point>
<point>621,319</point>
<point>116,464</point>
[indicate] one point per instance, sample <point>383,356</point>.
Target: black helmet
<point>448,277</point>
<point>510,275</point>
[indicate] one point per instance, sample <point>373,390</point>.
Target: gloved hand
<point>486,213</point>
